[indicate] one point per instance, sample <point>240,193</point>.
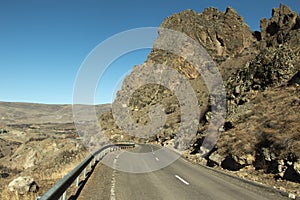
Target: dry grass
<point>268,124</point>
<point>273,123</point>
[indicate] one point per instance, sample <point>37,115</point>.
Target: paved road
<point>180,180</point>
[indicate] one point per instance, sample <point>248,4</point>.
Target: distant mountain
<point>32,113</point>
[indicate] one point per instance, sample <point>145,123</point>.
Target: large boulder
<point>216,158</point>
<point>22,185</point>
<point>297,167</point>
<point>231,164</point>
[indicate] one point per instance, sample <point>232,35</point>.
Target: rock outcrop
<point>219,41</point>
<point>260,71</point>
<point>263,104</point>
<point>282,28</point>
<point>23,185</point>
<point>217,37</point>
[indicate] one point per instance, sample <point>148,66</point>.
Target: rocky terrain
<point>38,146</point>
<point>260,139</point>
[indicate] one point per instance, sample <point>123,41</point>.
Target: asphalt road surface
<point>179,180</point>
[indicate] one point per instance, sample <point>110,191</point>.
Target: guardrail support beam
<point>59,190</point>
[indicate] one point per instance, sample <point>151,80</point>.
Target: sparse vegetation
<point>37,145</point>
<point>261,137</point>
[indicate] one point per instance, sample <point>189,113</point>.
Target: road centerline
<point>182,180</point>
<point>113,180</point>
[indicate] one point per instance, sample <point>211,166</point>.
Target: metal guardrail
<point>59,190</point>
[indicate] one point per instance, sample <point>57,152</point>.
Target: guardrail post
<point>63,197</point>
<point>84,173</point>
<point>77,181</point>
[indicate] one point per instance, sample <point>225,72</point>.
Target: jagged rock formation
<point>261,75</point>
<point>272,67</point>
<point>216,37</point>
<point>218,40</point>
<point>282,28</point>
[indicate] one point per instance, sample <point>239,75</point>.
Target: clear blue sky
<point>44,42</point>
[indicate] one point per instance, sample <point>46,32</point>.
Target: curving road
<point>180,180</point>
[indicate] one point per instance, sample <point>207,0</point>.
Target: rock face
<point>260,71</point>
<point>23,184</point>
<point>216,37</point>
<point>266,85</point>
<point>272,67</point>
<point>219,41</point>
<point>219,38</point>
<point>281,28</point>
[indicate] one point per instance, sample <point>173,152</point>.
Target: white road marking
<point>112,189</point>
<point>113,180</point>
<point>156,158</point>
<point>182,180</point>
<point>152,149</point>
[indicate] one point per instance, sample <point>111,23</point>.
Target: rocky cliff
<point>260,72</point>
